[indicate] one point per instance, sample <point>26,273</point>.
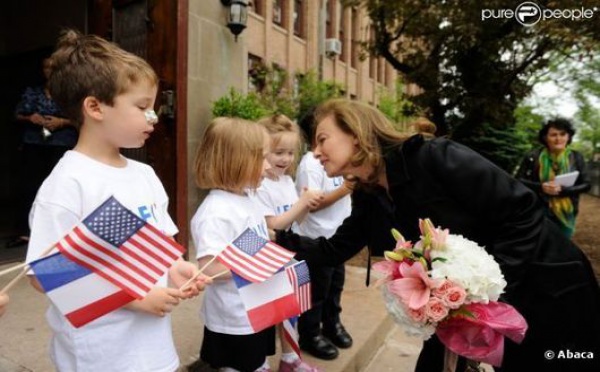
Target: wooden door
<point>156,30</point>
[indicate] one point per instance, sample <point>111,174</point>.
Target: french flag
<point>267,303</point>
<point>79,294</point>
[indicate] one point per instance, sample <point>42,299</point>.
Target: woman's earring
<point>151,117</point>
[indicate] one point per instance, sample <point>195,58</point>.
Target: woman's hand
<point>551,188</point>
<point>311,198</point>
<point>37,119</point>
<point>159,301</point>
<point>53,122</point>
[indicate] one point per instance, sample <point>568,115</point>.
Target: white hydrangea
<point>470,266</point>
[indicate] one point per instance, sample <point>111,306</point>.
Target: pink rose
<point>436,310</point>
<point>417,315</point>
<point>451,294</point>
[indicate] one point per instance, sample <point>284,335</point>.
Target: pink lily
<point>414,288</point>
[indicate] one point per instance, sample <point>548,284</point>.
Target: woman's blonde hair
<point>424,127</point>
<point>372,129</point>
<point>277,125</point>
<point>230,155</point>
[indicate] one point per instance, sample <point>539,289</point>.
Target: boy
<point>109,95</point>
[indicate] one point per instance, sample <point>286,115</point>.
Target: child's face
<point>281,156</point>
<point>266,167</point>
<point>125,122</point>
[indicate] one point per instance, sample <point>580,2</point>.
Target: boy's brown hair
<point>88,66</point>
<point>230,155</point>
<point>277,125</point>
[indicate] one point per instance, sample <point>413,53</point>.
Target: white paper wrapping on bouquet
<point>470,266</point>
<point>410,327</point>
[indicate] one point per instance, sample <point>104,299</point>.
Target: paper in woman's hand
<point>567,179</point>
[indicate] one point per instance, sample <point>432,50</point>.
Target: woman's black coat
<point>550,281</point>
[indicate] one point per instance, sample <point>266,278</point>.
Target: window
<point>279,12</point>
<point>256,74</point>
<point>354,38</point>
<point>372,58</point>
<point>299,18</point>
<point>380,69</point>
<point>329,14</point>
<point>257,6</point>
<point>342,29</point>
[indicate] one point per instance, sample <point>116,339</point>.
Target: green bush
<point>235,104</point>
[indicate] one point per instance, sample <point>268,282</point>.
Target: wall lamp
<point>237,15</point>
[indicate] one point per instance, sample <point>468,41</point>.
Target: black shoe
<point>338,335</point>
<point>319,347</point>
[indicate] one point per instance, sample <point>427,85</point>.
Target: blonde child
<point>109,95</point>
<point>230,162</point>
<point>280,203</point>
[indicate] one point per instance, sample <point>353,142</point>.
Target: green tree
<point>397,106</point>
<point>312,92</point>
<point>474,72</point>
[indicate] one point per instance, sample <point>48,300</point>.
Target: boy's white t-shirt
<point>221,218</point>
<point>122,340</point>
<point>324,222</point>
<point>276,197</point>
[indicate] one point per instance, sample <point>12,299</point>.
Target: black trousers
<point>327,284</point>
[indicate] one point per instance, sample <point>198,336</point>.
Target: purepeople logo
<point>529,13</point>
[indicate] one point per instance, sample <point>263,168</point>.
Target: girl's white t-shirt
<point>276,197</point>
<point>324,222</point>
<point>122,340</point>
<point>221,218</point>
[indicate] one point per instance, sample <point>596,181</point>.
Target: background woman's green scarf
<point>562,207</point>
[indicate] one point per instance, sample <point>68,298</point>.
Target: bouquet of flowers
<point>448,285</point>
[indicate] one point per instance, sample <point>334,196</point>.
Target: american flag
<point>300,279</point>
<point>121,247</point>
<point>253,257</point>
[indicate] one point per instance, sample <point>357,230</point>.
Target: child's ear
<point>92,108</point>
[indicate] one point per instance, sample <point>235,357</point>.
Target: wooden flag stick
<point>25,267</point>
<point>14,281</point>
<point>219,274</point>
<point>13,268</point>
<point>190,280</point>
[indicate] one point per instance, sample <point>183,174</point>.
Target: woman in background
<point>539,169</point>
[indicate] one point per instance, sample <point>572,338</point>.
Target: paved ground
<point>379,344</point>
<point>24,334</point>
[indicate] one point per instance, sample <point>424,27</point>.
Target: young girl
<point>230,162</point>
<point>279,200</point>
<point>277,194</point>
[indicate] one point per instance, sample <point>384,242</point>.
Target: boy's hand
<point>3,302</point>
<point>159,301</point>
<point>181,272</point>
